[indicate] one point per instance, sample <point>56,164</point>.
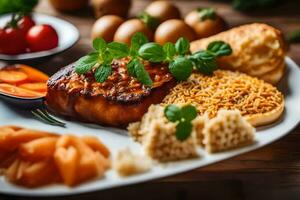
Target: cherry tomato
<point>12,41</point>
<point>42,37</point>
<point>25,23</point>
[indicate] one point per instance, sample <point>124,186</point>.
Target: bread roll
<point>258,50</point>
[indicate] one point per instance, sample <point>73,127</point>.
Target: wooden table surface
<point>272,172</point>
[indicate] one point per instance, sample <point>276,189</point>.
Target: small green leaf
<point>182,46</point>
<point>204,61</point>
<point>183,116</point>
<point>183,130</point>
<point>202,55</point>
<point>207,13</point>
<point>181,68</point>
<point>102,73</point>
<point>107,57</point>
<point>170,50</point>
<point>118,50</point>
<point>137,41</point>
<point>99,44</point>
<point>172,113</point>
<point>86,63</point>
<point>152,52</point>
<point>188,112</point>
<point>151,22</point>
<point>141,74</point>
<point>219,48</point>
<point>207,67</point>
<point>131,67</point>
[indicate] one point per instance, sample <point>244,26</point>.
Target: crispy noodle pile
<point>226,90</point>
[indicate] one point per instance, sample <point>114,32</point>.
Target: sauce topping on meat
<point>119,86</point>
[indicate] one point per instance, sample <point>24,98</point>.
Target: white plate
<point>116,139</point>
<point>68,35</point>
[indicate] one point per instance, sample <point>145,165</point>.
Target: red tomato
<point>12,41</point>
<point>25,23</point>
<point>42,37</point>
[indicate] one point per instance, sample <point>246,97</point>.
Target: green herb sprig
<point>135,66</point>
<point>100,59</point>
<point>206,60</point>
<point>180,62</point>
<point>207,13</point>
<point>183,117</point>
<point>150,21</point>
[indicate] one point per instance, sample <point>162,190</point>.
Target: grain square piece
<point>157,136</point>
<point>198,126</point>
<point>227,131</point>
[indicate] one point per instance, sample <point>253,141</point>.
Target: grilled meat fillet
<point>121,99</point>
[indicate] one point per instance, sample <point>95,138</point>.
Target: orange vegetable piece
<point>89,164</point>
<point>34,158</point>
<point>32,174</point>
<point>38,173</point>
<point>96,145</point>
<point>12,76</point>
<point>10,140</point>
<point>12,171</point>
<point>104,162</point>
<point>34,75</point>
<point>66,160</point>
<point>42,148</point>
<point>65,141</point>
<point>38,87</point>
<point>11,127</point>
<point>19,92</point>
<point>6,133</point>
<point>6,159</point>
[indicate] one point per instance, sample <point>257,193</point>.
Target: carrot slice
<point>37,173</point>
<point>12,76</point>
<point>42,148</point>
<point>88,166</point>
<point>39,87</point>
<point>19,92</point>
<point>7,159</point>
<point>34,75</point>
<point>32,174</point>
<point>10,140</point>
<point>66,160</point>
<point>96,145</point>
<point>12,171</point>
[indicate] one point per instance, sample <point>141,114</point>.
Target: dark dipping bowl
<point>24,103</point>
